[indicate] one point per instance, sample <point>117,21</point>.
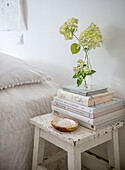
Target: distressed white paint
<point>74,158</point>
<point>87,158</point>
<point>35,148</point>
<point>110,153</point>
<point>54,157</point>
<point>116,149</point>
<point>41,150</point>
<point>74,142</point>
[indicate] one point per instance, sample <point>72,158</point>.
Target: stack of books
<point>94,108</point>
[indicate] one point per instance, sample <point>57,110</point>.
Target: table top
<point>80,134</point>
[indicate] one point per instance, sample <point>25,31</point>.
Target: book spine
<point>85,100</point>
<point>72,109</point>
<point>84,113</point>
<point>84,124</point>
<point>73,97</point>
<point>105,107</point>
<point>75,105</point>
<point>95,121</point>
<point>74,115</point>
<point>92,127</point>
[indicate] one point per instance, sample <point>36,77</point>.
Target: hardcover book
<point>92,127</point>
<point>97,109</point>
<point>85,100</point>
<point>95,89</point>
<point>96,121</point>
<point>91,112</point>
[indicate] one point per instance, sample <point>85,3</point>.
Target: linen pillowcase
<point>15,72</point>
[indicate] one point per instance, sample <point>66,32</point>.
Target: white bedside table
<point>74,143</point>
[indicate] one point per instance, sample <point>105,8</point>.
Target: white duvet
<point>17,106</point>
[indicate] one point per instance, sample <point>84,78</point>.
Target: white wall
<point>45,48</point>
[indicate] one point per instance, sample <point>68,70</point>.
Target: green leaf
<point>75,48</point>
<point>79,73</point>
<point>79,82</point>
<point>84,76</point>
<point>91,72</point>
<point>75,76</point>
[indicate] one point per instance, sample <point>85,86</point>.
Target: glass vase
<point>87,83</point>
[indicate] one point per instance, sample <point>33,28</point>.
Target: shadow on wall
<point>115,46</point>
<point>25,12</point>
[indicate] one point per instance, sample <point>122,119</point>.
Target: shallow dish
<point>64,124</point>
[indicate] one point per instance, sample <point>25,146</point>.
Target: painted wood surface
<point>74,143</point>
<point>35,148</point>
<point>81,134</point>
<point>116,149</point>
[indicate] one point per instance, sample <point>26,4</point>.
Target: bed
<point>18,103</point>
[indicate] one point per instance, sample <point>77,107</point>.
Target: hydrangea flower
<point>89,39</point>
<point>69,28</point>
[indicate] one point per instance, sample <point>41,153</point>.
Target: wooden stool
<point>74,143</point>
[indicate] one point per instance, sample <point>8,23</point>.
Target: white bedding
<point>17,106</point>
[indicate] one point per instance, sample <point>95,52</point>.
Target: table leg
<point>35,148</point>
<point>110,153</point>
<point>41,150</point>
<point>74,159</point>
<point>116,149</point>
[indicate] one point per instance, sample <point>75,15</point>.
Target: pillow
<point>15,72</point>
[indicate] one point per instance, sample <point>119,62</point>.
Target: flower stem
<point>86,58</point>
<point>85,83</point>
<point>76,37</point>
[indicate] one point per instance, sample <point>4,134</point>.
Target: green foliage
<point>91,72</point>
<point>79,81</point>
<point>75,48</point>
<point>81,71</point>
<point>69,28</point>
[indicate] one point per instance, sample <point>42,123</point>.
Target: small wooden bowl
<point>64,124</point>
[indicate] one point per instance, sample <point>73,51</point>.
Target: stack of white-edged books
<point>94,108</point>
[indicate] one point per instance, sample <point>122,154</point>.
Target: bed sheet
<point>17,106</point>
